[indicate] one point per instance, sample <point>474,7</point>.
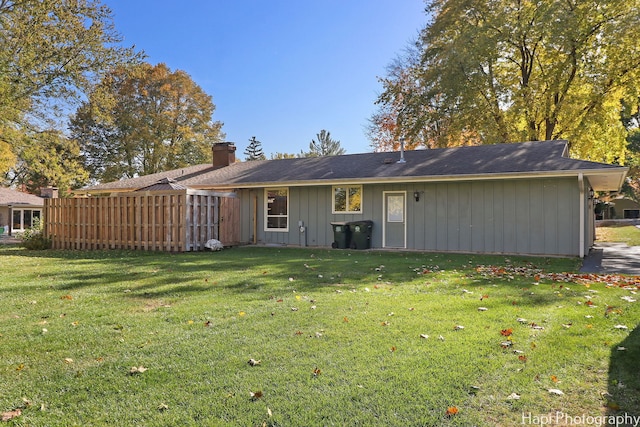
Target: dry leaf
<point>425,336</point>
<point>452,410</point>
<point>506,332</point>
<point>554,378</point>
<point>316,372</point>
<point>458,327</point>
<point>137,370</point>
<point>253,362</point>
<point>255,394</point>
<point>9,415</point>
<point>482,309</point>
<point>68,360</point>
<point>393,348</point>
<point>513,396</point>
<point>621,327</point>
<point>522,320</point>
<point>385,323</point>
<point>522,358</point>
<point>66,297</point>
<point>556,391</point>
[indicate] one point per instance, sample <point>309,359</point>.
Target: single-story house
<point>18,210</point>
<point>618,208</point>
<point>520,198</point>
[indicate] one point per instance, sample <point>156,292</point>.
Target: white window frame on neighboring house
<point>348,192</point>
<point>274,212</point>
<point>23,225</point>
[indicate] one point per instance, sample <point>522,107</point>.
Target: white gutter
<point>406,179</point>
<point>582,211</point>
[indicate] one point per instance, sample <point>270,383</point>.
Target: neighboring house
<point>618,208</point>
<point>18,210</point>
<point>521,198</point>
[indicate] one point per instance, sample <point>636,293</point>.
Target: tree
<point>279,156</point>
<point>254,150</point>
<point>51,52</point>
<point>324,146</point>
<point>145,119</point>
<point>49,158</point>
<point>506,71</point>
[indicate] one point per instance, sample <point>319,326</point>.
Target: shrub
<point>34,238</point>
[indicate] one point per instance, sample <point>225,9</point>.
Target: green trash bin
<point>341,235</point>
<point>361,234</point>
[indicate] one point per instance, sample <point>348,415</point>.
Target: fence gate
<point>175,221</point>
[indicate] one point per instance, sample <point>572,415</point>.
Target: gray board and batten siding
<point>527,216</point>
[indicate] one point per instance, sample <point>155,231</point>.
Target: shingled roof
<point>540,158</point>
<point>13,197</point>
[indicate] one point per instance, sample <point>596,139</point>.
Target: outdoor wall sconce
<point>416,195</point>
<point>591,193</point>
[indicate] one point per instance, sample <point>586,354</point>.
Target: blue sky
<point>279,70</point>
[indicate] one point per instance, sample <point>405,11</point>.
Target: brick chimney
<point>49,192</point>
<point>224,154</point>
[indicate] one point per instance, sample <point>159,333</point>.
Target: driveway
<point>611,258</point>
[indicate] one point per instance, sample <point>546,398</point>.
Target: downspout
<point>582,211</point>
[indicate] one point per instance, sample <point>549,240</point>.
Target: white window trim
<point>266,211</point>
<point>333,199</point>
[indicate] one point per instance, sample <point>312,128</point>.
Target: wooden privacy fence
<point>174,220</point>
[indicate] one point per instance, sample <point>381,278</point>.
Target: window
<point>347,199</point>
<point>277,209</point>
<point>23,218</point>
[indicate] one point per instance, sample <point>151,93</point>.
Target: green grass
<point>629,234</point>
<point>73,324</point>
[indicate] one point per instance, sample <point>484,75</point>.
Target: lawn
<point>337,337</point>
<point>629,234</point>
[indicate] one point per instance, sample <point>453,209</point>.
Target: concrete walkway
<point>612,258</point>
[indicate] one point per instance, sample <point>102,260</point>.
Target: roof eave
<point>618,175</point>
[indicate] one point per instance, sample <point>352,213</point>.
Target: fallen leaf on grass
<point>451,411</point>
<point>137,370</point>
<point>554,378</point>
<point>458,327</point>
<point>506,332</point>
<point>163,407</point>
<point>506,344</point>
<point>522,358</point>
<point>620,327</point>
<point>68,360</point>
<point>482,309</point>
<point>255,395</point>
<point>253,362</point>
<point>393,348</point>
<point>555,391</point>
<point>621,349</point>
<point>66,297</point>
<point>385,323</point>
<point>513,396</point>
<point>424,336</point>
<point>522,320</point>
<point>316,372</point>
<point>9,415</point>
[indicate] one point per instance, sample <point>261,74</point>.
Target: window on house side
<point>347,199</point>
<point>277,209</point>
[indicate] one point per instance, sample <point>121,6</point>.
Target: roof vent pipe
<point>401,151</point>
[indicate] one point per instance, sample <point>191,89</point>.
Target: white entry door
<point>395,219</point>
